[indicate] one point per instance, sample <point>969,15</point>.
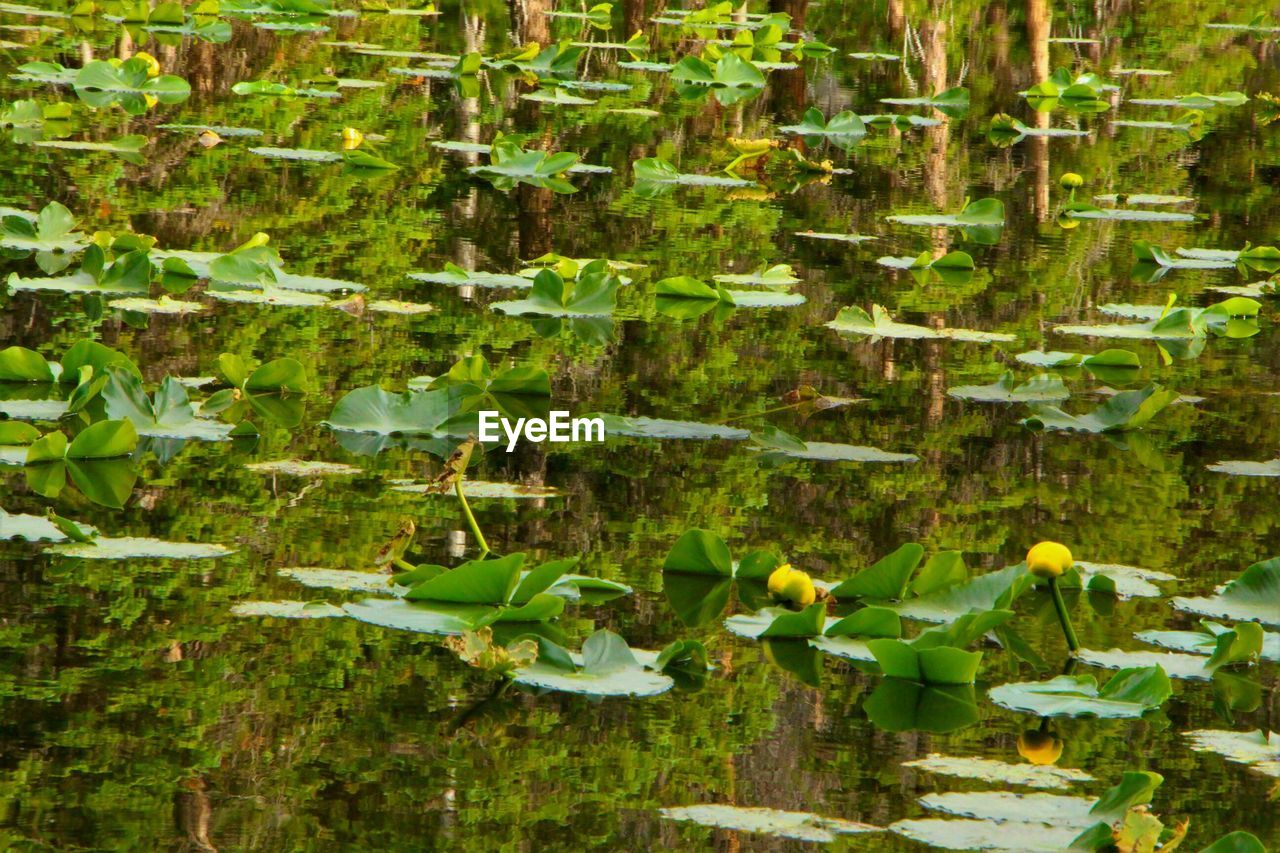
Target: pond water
<point>138,710</point>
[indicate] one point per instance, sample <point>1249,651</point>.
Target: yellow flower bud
<point>153,64</point>
<point>778,577</point>
<point>1040,748</point>
<point>351,138</point>
<point>1049,560</point>
<point>799,589</point>
<point>1070,180</point>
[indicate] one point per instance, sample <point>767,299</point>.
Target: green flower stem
<point>1061,606</point>
<point>403,566</point>
<point>471,519</point>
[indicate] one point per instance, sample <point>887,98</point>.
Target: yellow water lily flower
<point>351,138</point>
<point>153,64</point>
<point>1049,560</point>
<point>1040,748</point>
<point>778,577</point>
<point>209,138</point>
<point>752,146</point>
<point>792,585</point>
<point>1070,180</point>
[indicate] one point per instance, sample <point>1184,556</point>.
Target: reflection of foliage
<point>130,688</point>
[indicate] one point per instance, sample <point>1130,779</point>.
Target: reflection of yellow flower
<point>792,585</point>
<point>1049,560</point>
<point>351,138</point>
<point>153,64</point>
<point>1070,180</point>
<point>1040,748</point>
<point>151,100</point>
<point>1066,222</point>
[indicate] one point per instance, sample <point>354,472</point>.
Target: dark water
<point>136,712</point>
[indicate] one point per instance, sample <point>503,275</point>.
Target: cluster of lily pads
<point>87,418</point>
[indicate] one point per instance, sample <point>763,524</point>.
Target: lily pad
<point>483,490</point>
<point>1130,693</point>
<point>347,581</point>
<point>417,616</point>
<point>971,834</point>
<point>304,468</point>
<point>991,770</point>
<point>801,826</point>
<point>641,427</point>
<point>289,609</point>
<point>1254,596</point>
<point>1257,749</point>
<point>1043,388</point>
<point>139,548</point>
<point>1245,468</point>
<point>878,324</point>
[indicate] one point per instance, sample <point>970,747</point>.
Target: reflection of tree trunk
<point>1001,69</point>
<point>534,221</point>
<point>787,88</point>
<point>1038,37</point>
<point>633,17</point>
<point>933,38</point>
<point>797,9</point>
<point>530,21</point>
<point>193,812</point>
<point>897,18</point>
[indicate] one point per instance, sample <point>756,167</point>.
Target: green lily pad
<point>1254,596</point>
<point>1246,468</point>
<point>878,324</point>
<point>991,770</point>
<point>641,427</point>
<point>1125,411</point>
<point>606,667</point>
<point>1130,693</point>
<point>347,581</point>
<point>654,170</point>
<point>139,548</point>
<point>970,834</point>
<point>417,616</point>
<point>31,528</point>
<point>1257,749</point>
<point>1043,388</point>
<point>1176,665</point>
<point>801,826</point>
<point>304,468</point>
<point>1206,642</point>
<point>991,591</point>
<point>289,609</point>
<point>483,490</point>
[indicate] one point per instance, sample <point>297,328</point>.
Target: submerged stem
<point>471,519</point>
<point>1061,606</point>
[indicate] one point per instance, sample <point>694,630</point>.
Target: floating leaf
<point>801,826</point>
<point>1254,596</point>
<point>1259,750</point>
<point>1130,693</point>
<point>878,324</point>
<point>1042,388</point>
<point>990,770</point>
<point>138,548</point>
<point>1127,410</point>
<point>640,427</point>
